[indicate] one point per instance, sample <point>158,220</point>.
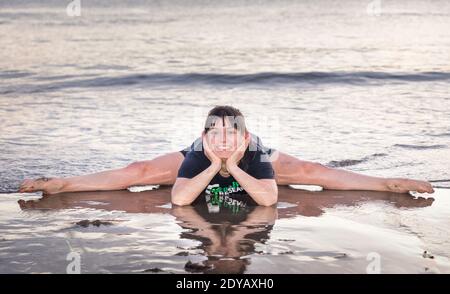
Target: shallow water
<point>309,232</point>
<point>126,81</point>
<point>329,81</point>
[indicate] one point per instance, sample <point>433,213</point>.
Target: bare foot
<point>407,185</point>
<point>31,204</point>
<point>47,185</point>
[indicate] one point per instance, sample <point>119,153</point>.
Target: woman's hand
<point>237,155</point>
<point>215,160</point>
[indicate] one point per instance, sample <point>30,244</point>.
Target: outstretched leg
<point>161,170</point>
<point>290,170</point>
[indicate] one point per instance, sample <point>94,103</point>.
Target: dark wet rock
<point>195,267</point>
<point>182,253</point>
<point>85,223</point>
<point>286,252</point>
<point>286,240</point>
<point>420,147</point>
<point>426,254</point>
<point>189,248</point>
<point>341,255</point>
<point>153,270</point>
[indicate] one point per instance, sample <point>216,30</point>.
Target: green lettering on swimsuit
<point>220,197</point>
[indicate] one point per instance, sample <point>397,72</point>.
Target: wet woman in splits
<point>226,154</point>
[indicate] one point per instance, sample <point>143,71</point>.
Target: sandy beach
<point>309,232</point>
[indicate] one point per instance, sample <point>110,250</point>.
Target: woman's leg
<point>290,170</point>
<point>161,170</point>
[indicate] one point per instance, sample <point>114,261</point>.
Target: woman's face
<point>224,139</point>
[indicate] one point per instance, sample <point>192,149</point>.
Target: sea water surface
<point>349,84</point>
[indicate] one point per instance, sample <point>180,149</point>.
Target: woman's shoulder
<point>194,154</point>
<point>258,156</point>
<point>193,163</point>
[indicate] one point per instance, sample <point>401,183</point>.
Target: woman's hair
<point>234,115</point>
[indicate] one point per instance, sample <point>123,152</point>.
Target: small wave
<point>420,147</point>
<point>441,184</point>
<point>345,162</point>
<point>350,162</point>
<point>7,191</point>
<point>13,74</point>
<point>440,135</point>
<point>262,78</point>
<point>439,181</point>
<point>217,79</point>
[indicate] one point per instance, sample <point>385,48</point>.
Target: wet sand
<point>309,232</point>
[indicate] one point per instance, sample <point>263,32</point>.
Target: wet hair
<point>234,115</point>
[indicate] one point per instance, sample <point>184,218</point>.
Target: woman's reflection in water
<point>227,238</point>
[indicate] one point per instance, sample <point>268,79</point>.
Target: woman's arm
<point>184,191</point>
<point>264,191</point>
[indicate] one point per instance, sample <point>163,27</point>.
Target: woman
<point>163,170</point>
<point>234,169</point>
